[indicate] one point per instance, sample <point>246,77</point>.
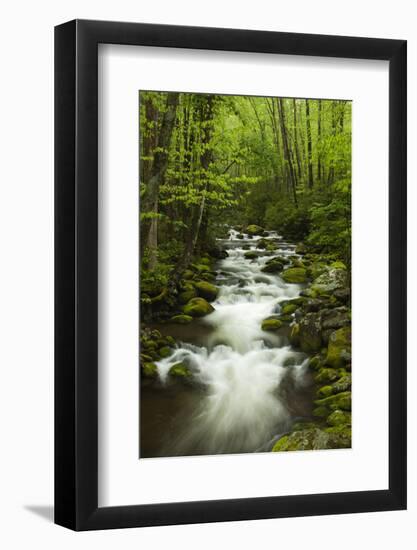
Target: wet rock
<point>187,295</point>
<point>339,418</point>
<point>251,255</point>
<point>262,243</point>
<point>339,348</point>
<point>149,370</point>
<point>271,324</point>
<point>288,309</point>
<point>341,400</point>
<point>295,275</point>
<point>218,253</point>
<point>179,370</point>
<point>181,319</point>
<point>326,375</point>
<point>294,336</point>
<point>335,318</point>
<point>311,439</point>
<point>330,280</point>
<point>324,391</point>
<point>165,351</point>
<point>343,384</point>
<point>310,333</point>
<point>254,230</point>
<point>273,266</point>
<point>342,295</point>
<point>206,290</point>
<point>197,307</point>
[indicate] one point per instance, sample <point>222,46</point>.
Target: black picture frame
<point>76,272</point>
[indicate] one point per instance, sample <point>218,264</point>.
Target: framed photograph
<point>230,244</point>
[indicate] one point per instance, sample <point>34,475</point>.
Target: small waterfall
<point>242,370</point>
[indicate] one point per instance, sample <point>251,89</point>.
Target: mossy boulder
<point>179,370</point>
<point>251,255</point>
<point>321,412</point>
<point>254,230</point>
<point>295,335</point>
<point>316,363</point>
<point>310,337</point>
<point>187,295</point>
<point>339,418</point>
<point>271,324</point>
<point>197,307</point>
<point>338,265</point>
<point>330,280</point>
<point>286,319</point>
<point>326,375</point>
<point>310,439</point>
<point>343,384</point>
<point>165,351</point>
<point>262,244</point>
<point>339,348</point>
<point>273,265</point>
<point>341,401</point>
<point>324,391</point>
<point>341,436</point>
<point>206,290</point>
<point>149,370</point>
<point>288,309</point>
<point>295,275</point>
<point>181,319</point>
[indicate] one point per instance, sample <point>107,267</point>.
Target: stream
<point>249,385</point>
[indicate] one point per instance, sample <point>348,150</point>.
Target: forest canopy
<point>208,162</point>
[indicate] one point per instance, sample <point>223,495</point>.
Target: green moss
<point>187,295</point>
<point>339,348</point>
<point>188,274</point>
<point>271,324</point>
<point>341,400</point>
<point>179,370</point>
<point>254,230</point>
<point>343,384</point>
<point>321,412</point>
<point>287,309</point>
<point>198,307</point>
<point>295,275</point>
<point>251,255</point>
<point>165,351</point>
<point>338,265</point>
<point>286,319</point>
<point>339,418</point>
<point>315,363</point>
<point>149,370</point>
<point>295,335</point>
<point>170,340</point>
<point>324,391</point>
<point>308,439</point>
<point>181,319</point>
<point>206,290</point>
<point>325,375</point>
<point>273,266</point>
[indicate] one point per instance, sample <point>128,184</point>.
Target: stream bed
<point>249,385</point>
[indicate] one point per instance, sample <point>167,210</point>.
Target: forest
<point>208,161</point>
<point>245,259</point>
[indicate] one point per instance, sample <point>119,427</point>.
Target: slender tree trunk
<point>157,176</point>
<point>296,148</point>
<point>330,178</point>
<point>287,154</point>
<point>309,146</point>
<point>319,143</point>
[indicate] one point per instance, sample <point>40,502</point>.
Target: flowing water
<point>250,384</point>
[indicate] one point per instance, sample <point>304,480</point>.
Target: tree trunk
<point>319,143</point>
<point>309,146</point>
<point>159,167</point>
<point>287,153</point>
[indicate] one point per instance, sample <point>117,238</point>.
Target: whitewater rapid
<point>242,368</point>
